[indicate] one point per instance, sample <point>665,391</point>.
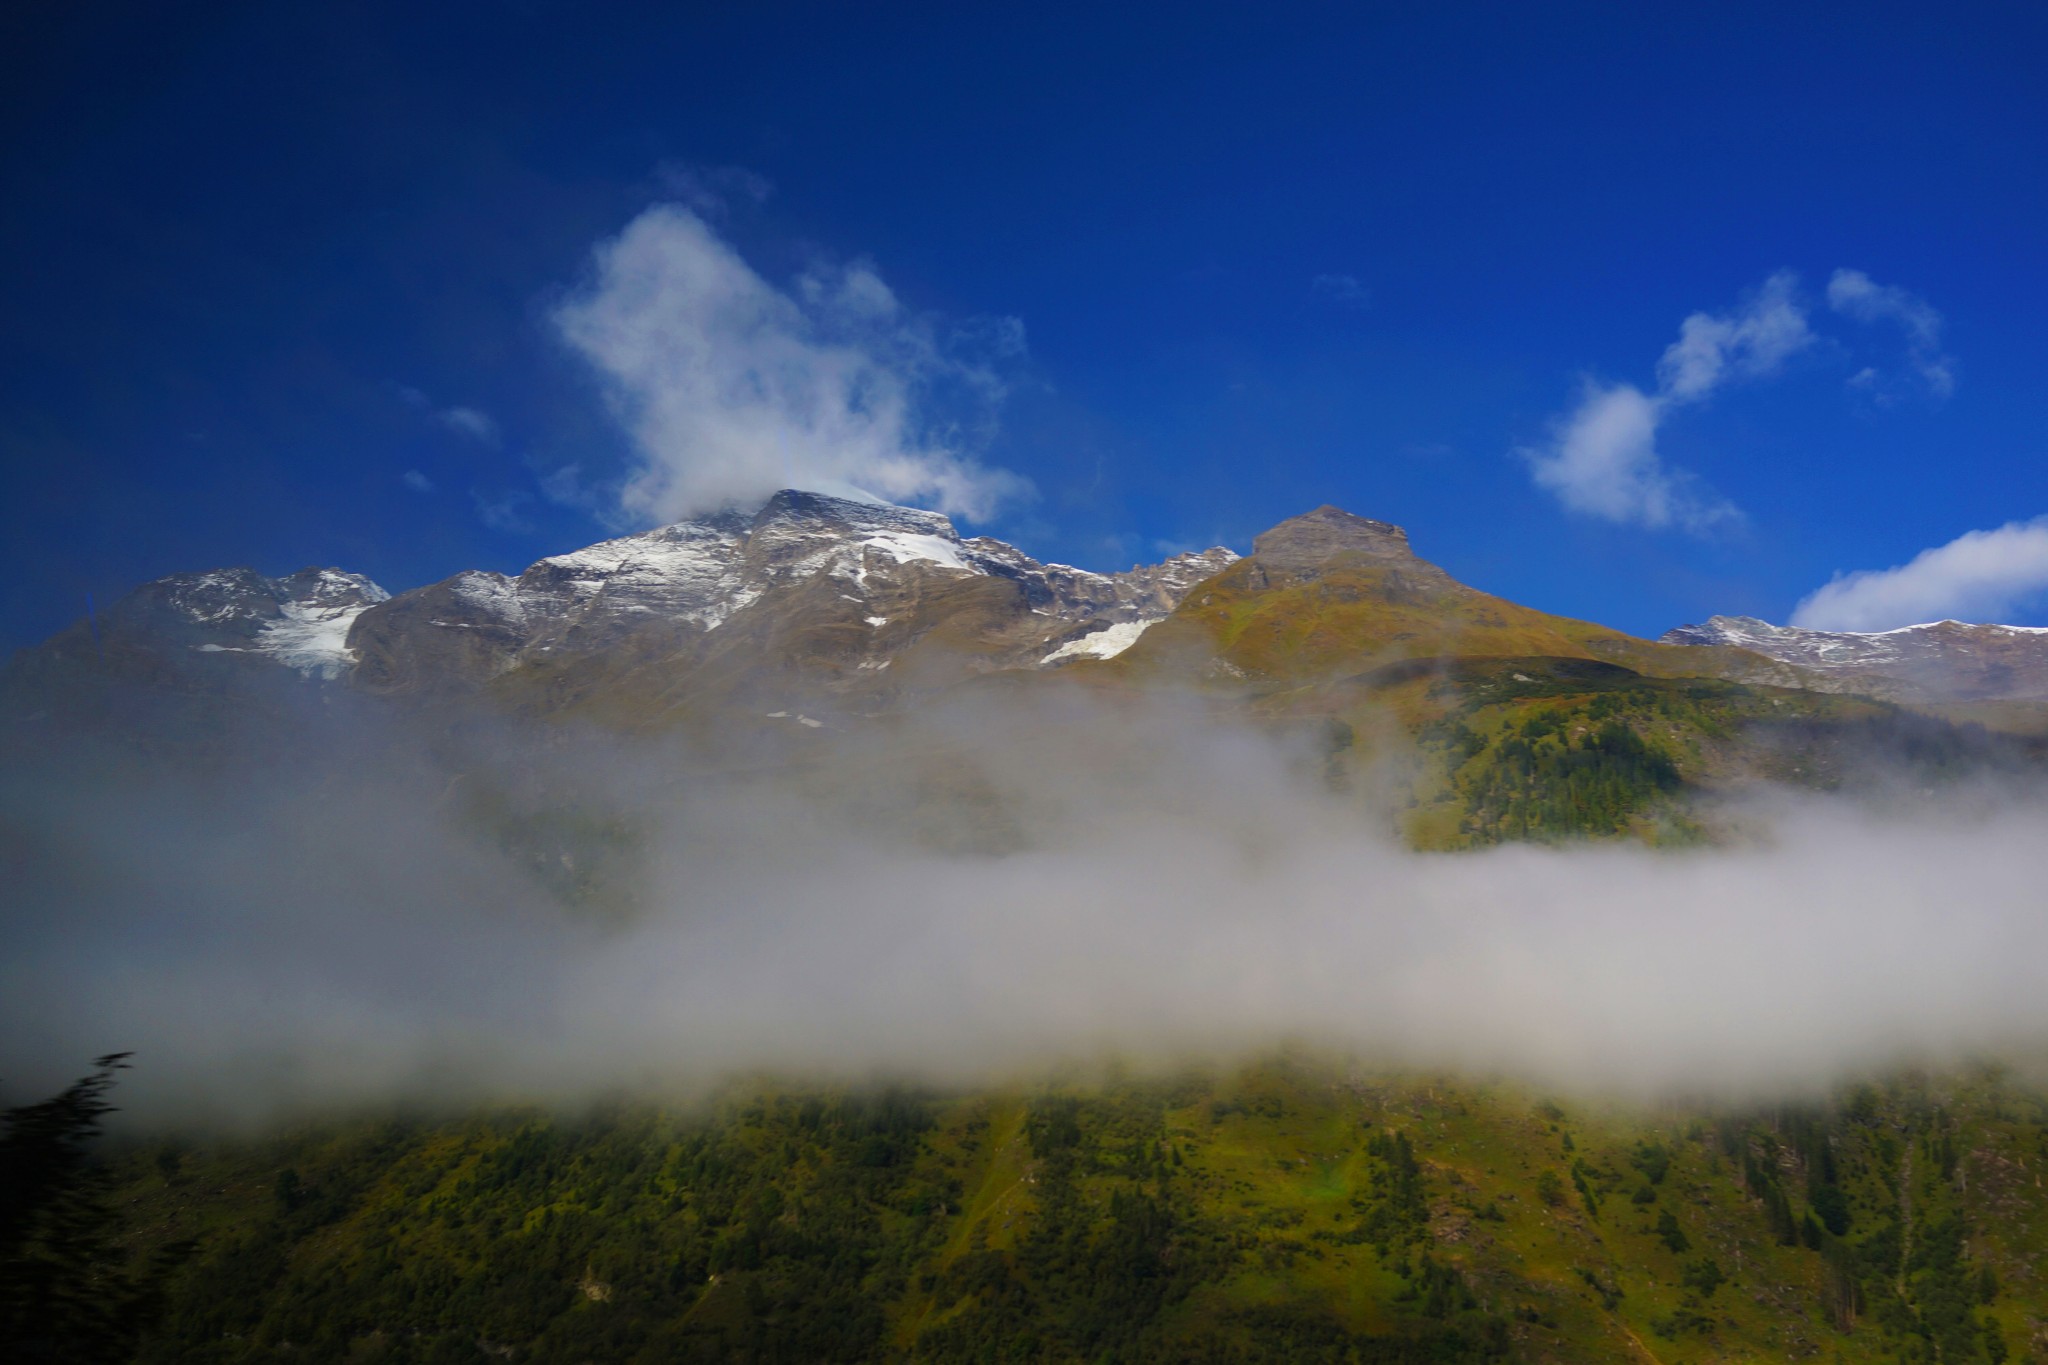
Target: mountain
<point>1295,1208</point>
<point>811,611</point>
<point>193,625</point>
<point>808,594</point>
<point>184,655</point>
<point>1329,594</point>
<point>1943,661</point>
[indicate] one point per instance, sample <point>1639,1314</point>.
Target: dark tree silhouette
<point>66,1291</point>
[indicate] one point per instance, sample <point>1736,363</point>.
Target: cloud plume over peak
<point>730,387</point>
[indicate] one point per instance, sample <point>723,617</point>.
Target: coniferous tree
<point>66,1294</point>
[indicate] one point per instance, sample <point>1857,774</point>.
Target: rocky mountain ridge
<point>197,625</point>
<point>813,595</point>
<point>838,586</point>
<point>843,586</point>
<point>1935,661</point>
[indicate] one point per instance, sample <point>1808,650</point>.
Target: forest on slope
<point>1298,1207</point>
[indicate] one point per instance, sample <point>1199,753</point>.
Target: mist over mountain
<point>825,786</point>
<point>833,862</point>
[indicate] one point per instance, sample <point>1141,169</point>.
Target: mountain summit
<point>1315,539</point>
<point>1327,595</point>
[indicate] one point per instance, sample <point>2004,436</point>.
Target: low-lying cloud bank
<point>1158,890</point>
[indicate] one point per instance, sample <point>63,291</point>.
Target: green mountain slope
<point>1302,1209</point>
<point>1546,748</point>
<point>1492,721</point>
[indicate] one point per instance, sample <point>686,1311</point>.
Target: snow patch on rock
<point>1106,643</point>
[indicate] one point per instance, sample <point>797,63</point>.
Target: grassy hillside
<point>1300,1209</point>
<point>1481,750</point>
<point>1489,750</point>
<point>1352,614</point>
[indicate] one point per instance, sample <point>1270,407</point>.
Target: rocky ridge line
<point>1938,660</point>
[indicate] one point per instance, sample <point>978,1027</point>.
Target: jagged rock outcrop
<point>1938,661</point>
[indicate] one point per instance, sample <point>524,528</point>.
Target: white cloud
<point>1854,294</point>
<point>469,422</point>
<point>731,388</point>
<point>1342,290</point>
<point>1602,460</point>
<point>416,481</point>
<point>1979,576</point>
<point>1751,344</point>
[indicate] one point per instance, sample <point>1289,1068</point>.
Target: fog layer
<point>968,895</point>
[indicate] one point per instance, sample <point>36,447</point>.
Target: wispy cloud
<point>416,481</point>
<point>469,422</point>
<point>505,511</point>
<point>474,423</point>
<point>1753,343</point>
<point>1978,576</point>
<point>1855,295</point>
<point>1601,459</point>
<point>1342,291</point>
<point>731,387</point>
<point>712,191</point>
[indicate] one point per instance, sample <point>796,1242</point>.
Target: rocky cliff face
<point>1940,661</point>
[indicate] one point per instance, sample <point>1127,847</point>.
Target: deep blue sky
<point>249,253</point>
